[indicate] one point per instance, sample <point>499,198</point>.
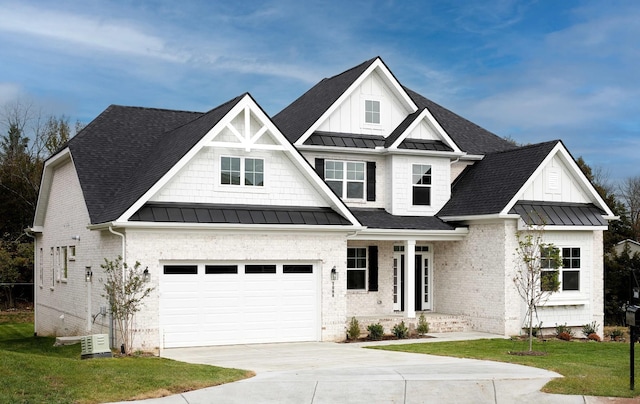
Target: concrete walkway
<point>318,372</point>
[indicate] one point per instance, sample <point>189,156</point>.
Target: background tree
<point>125,290</point>
<point>534,282</point>
<point>630,195</point>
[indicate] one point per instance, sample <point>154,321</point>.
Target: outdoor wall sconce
<point>146,276</point>
<point>334,274</point>
<point>88,274</point>
<point>77,238</point>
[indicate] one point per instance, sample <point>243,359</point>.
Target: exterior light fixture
<point>146,276</point>
<point>88,274</point>
<point>334,274</point>
<point>77,238</point>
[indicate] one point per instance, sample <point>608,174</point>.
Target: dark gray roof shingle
<point>487,186</point>
<point>126,150</point>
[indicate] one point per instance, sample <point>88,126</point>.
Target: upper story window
<point>345,178</point>
<point>372,112</point>
<point>242,171</point>
<point>421,183</point>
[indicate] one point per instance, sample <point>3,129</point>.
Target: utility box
<point>95,346</point>
<point>633,316</point>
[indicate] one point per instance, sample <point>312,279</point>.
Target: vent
<point>95,346</point>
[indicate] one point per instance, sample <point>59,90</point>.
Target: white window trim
<point>568,297</point>
<point>383,118</point>
<point>430,186</point>
<point>365,269</point>
<point>243,173</point>
<point>345,181</point>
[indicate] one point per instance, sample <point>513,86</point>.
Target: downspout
<point>36,264</point>
<point>112,330</point>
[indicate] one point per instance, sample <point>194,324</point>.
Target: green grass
<point>589,368</point>
<point>32,370</point>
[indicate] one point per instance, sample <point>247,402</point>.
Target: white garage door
<point>238,303</point>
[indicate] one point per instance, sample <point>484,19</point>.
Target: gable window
<point>421,182</point>
<point>356,268</point>
<point>372,111</point>
<point>345,178</point>
<point>242,171</point>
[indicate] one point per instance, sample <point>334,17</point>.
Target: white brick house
<point>362,198</point>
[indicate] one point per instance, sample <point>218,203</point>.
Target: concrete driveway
<point>319,372</point>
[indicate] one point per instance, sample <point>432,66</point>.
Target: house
<point>632,245</point>
<point>360,199</point>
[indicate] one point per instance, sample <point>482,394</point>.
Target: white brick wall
<point>63,307</point>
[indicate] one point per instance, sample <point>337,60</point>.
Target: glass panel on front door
<point>396,283</point>
<point>426,305</point>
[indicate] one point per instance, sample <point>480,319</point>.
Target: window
<point>53,267</point>
<point>421,180</point>
<point>180,269</point>
<point>41,266</point>
<point>64,261</point>
<point>260,269</point>
<point>356,268</point>
<point>72,253</point>
<point>297,269</point>
<point>372,112</point>
<point>242,171</point>
<point>345,178</point>
<point>571,268</point>
<point>220,269</point>
<point>568,274</point>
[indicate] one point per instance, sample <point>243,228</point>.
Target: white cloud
<point>9,92</point>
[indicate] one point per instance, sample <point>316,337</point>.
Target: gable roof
<point>490,184</point>
<point>294,120</point>
<point>125,150</point>
<point>469,137</point>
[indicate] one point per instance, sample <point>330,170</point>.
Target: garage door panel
<point>233,308</point>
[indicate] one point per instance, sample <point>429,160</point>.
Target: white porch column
<point>410,280</point>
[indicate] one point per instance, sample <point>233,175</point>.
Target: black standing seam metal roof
<point>488,185</point>
<point>559,213</point>
<point>238,214</point>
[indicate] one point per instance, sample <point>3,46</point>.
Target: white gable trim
<point>586,186</point>
<point>426,115</point>
<point>247,106</point>
<point>62,157</point>
<point>385,74</point>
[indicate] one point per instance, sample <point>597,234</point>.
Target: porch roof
<point>381,219</point>
<point>559,214</point>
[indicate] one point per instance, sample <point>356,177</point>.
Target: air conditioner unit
<point>95,346</point>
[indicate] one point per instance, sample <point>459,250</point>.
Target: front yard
<point>589,368</point>
<point>32,370</point>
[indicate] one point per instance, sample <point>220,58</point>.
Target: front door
<point>423,278</point>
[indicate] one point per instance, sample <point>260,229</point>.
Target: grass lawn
<point>32,370</point>
<point>589,368</point>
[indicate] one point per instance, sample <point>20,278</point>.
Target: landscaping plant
<point>353,331</point>
<point>400,330</point>
<point>376,331</point>
<point>423,326</point>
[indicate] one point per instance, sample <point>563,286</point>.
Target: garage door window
<point>220,269</point>
<point>297,269</point>
<point>260,269</point>
<point>180,269</point>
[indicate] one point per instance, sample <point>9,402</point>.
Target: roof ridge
<point>351,69</point>
<point>526,147</point>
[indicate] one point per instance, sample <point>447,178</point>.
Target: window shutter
<point>320,167</point>
<point>371,181</point>
<point>373,268</point>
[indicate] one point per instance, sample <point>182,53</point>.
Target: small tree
<point>536,272</point>
<point>125,289</point>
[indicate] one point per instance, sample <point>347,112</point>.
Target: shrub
<point>400,330</point>
<point>353,331</point>
<point>593,337</point>
<point>616,334</point>
<point>564,336</point>
<point>589,329</point>
<point>376,331</point>
<point>562,329</point>
<point>423,325</point>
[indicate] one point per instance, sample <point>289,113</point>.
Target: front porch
<point>438,322</point>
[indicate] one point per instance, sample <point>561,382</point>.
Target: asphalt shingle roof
<point>125,150</point>
<point>487,186</point>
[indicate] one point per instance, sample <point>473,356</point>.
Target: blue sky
<point>530,70</point>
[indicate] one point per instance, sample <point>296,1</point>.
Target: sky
<point>528,70</point>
